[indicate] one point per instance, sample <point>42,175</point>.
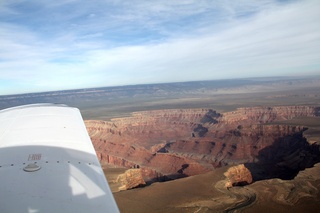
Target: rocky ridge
<point>168,144</point>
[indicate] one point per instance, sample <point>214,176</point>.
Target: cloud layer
<point>70,44</point>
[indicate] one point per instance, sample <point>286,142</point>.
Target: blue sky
<point>67,44</point>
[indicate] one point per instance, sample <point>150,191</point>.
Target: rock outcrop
<point>169,144</point>
<point>238,176</point>
<point>132,178</point>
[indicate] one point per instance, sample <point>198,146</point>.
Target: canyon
<point>241,145</point>
<point>170,144</point>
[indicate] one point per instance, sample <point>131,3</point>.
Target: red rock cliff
<point>178,143</point>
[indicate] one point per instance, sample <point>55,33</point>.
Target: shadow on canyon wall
<point>169,177</point>
<point>284,158</point>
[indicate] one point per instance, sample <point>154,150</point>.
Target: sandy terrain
<point>207,193</point>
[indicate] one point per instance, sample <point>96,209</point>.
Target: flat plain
<point>221,95</point>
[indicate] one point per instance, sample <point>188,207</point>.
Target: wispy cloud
<point>68,44</point>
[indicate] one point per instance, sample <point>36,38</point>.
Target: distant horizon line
<point>161,83</point>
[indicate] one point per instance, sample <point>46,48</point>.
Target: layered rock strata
<point>130,179</point>
<point>168,144</point>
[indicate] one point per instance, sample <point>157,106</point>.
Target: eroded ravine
<point>178,143</point>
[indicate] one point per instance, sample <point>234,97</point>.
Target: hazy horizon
<point>253,79</point>
<point>63,45</point>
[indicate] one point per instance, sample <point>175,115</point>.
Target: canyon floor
<point>209,192</point>
<point>200,193</point>
<point>249,145</point>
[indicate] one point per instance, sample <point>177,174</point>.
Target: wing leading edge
<point>48,163</point>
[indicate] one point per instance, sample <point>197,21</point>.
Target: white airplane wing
<point>48,163</point>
